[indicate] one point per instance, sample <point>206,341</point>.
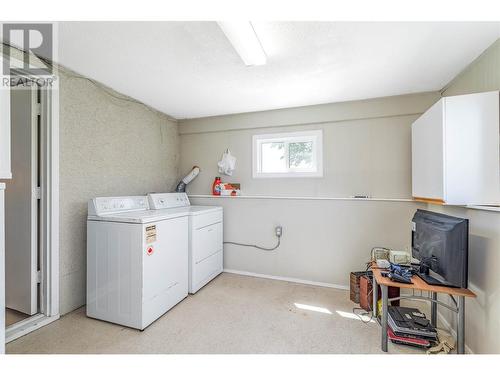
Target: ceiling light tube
<point>245,41</point>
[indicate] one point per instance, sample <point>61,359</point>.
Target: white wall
<point>482,314</point>
<point>366,151</point>
<point>369,156</point>
<point>366,147</point>
<point>108,147</point>
<point>480,76</point>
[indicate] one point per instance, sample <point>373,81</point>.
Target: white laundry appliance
<point>136,260</point>
<point>206,255</point>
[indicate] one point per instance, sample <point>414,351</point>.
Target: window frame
<point>314,136</point>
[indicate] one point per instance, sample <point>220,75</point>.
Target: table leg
<point>375,297</point>
<point>384,316</point>
<point>434,307</point>
<point>461,325</point>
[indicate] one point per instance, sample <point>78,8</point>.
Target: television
<point>441,244</point>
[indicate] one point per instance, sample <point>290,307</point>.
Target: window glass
<point>297,154</point>
<point>273,157</point>
<point>300,155</point>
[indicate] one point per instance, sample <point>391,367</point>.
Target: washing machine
<point>136,260</point>
<point>206,254</point>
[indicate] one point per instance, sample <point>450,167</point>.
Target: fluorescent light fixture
<point>245,41</point>
<point>313,308</point>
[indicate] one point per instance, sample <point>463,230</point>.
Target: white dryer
<point>136,260</point>
<point>206,254</point>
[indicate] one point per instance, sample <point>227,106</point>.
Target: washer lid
<point>140,217</point>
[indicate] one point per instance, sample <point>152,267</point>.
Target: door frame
<point>49,210</point>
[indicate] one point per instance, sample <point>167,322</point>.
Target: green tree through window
<point>299,153</point>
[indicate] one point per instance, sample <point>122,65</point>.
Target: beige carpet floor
<point>233,314</point>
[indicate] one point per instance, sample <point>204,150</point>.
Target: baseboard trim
<point>289,279</point>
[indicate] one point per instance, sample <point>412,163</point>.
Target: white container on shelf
<point>455,151</point>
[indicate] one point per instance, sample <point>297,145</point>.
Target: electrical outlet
<point>279,231</point>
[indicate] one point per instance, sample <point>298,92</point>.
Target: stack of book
<point>409,326</point>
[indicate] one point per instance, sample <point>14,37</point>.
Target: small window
<point>297,154</point>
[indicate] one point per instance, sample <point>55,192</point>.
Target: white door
<point>21,205</point>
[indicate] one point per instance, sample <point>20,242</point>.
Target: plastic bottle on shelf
<point>216,186</point>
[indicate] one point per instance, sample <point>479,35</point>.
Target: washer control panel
<point>159,201</point>
<point>107,205</point>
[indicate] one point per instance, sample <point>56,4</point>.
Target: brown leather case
<point>366,295</point>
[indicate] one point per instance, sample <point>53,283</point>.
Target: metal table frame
<point>459,309</point>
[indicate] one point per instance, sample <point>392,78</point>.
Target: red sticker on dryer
<point>150,251</point>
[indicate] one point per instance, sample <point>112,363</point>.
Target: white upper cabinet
<point>5,171</point>
<point>456,151</point>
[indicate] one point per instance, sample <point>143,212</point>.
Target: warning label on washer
<point>150,233</point>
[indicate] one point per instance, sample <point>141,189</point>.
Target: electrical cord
<point>256,246</point>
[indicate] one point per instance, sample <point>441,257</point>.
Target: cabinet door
<point>472,149</point>
<point>427,154</point>
<point>5,171</point>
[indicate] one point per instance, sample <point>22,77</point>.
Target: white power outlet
<point>279,231</point>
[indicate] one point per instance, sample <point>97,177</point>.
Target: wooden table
<point>419,284</point>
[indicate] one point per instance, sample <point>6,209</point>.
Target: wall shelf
<point>278,197</point>
<point>302,198</point>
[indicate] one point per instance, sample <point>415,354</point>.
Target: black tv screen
<point>440,243</point>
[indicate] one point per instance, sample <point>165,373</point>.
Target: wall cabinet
<point>456,151</point>
<point>5,171</point>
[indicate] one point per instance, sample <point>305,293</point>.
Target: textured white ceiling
<point>189,69</point>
